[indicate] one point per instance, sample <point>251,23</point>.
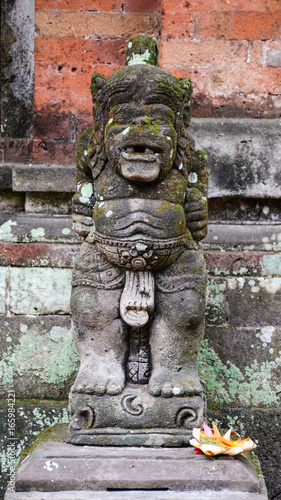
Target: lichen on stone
<point>228,385</point>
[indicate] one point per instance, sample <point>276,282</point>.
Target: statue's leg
<point>178,327</point>
<point>99,333</point>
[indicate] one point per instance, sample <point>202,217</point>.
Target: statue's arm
<point>84,199</point>
<point>196,205</point>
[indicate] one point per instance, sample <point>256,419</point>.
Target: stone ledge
<point>244,156</point>
<point>59,466</point>
<point>136,495</point>
<point>34,178</point>
<point>28,228</point>
<point>247,237</point>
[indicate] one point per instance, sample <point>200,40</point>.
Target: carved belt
<point>141,254</point>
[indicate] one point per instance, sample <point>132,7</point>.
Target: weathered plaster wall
<point>231,50</point>
<point>17,79</point>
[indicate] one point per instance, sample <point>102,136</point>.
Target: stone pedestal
<point>133,418</point>
<point>64,471</point>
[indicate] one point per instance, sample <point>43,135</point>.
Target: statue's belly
<point>140,234</point>
<point>135,217</point>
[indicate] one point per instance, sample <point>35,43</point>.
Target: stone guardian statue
<point>139,283</point>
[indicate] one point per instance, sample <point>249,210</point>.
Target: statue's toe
<point>167,390</point>
<point>154,389</point>
<point>114,388</point>
<point>100,388</point>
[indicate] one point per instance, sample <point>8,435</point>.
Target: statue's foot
<point>169,383</point>
<point>87,382</point>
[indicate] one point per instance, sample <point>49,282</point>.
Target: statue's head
<point>141,113</point>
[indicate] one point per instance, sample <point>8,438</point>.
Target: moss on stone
<point>253,459</point>
<point>82,143</point>
<point>142,47</point>
<point>57,432</point>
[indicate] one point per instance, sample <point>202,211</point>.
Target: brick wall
<point>232,52</point>
<point>74,39</point>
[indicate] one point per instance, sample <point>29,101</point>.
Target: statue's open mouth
<point>139,152</point>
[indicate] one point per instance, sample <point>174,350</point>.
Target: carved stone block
<point>134,418</point>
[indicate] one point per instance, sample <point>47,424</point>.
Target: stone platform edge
<point>53,468</point>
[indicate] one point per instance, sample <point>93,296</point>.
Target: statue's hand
<point>196,214</point>
<point>82,224</point>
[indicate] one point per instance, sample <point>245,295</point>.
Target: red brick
<point>181,6</point>
<point>65,77</point>
<point>18,150</point>
<point>43,95</point>
<point>175,25</point>
<point>180,72</point>
<point>59,76</point>
<point>60,125</point>
<point>273,5</point>
<point>101,5</point>
<point>79,103</point>
<point>79,50</point>
<point>53,121</point>
<point>237,25</point>
<point>47,151</point>
<point>233,81</point>
<point>79,24</point>
<point>82,123</point>
<point>92,5</point>
<point>142,5</point>
<point>236,106</point>
<point>225,84</point>
<point>231,263</point>
<point>29,255</point>
<point>214,53</point>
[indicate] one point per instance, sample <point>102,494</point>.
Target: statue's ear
<point>187,90</point>
<point>97,84</point>
<point>186,85</point>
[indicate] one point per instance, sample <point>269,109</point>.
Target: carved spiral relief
<point>128,405</point>
<point>186,416</point>
<point>83,419</point>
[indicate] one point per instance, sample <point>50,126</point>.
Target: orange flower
<point>210,441</point>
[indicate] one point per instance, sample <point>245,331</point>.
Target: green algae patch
<point>54,358</point>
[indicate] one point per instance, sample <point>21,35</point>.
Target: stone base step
<point>59,470</point>
<point>135,495</point>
